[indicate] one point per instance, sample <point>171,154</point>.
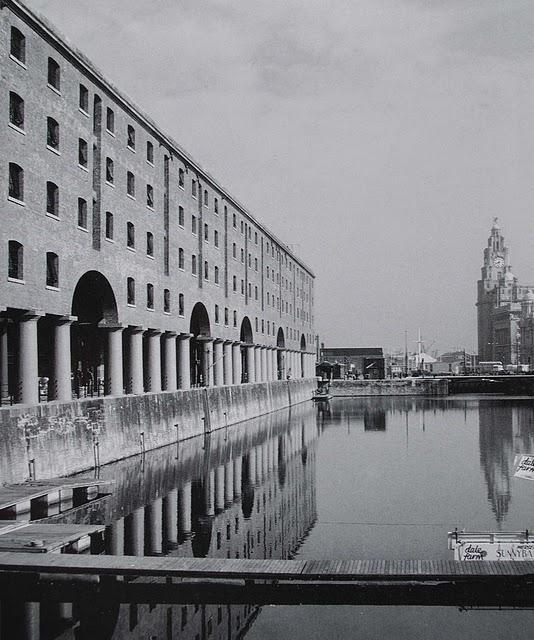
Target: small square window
<point>52,199</point>
<point>110,120</point>
<point>150,244</point>
<point>166,301</point>
<point>52,133</point>
<point>54,74</point>
<point>16,182</point>
<point>109,225</point>
<point>84,98</point>
<point>130,235</point>
<point>52,270</point>
<point>82,213</point>
<point>15,260</point>
<point>109,171</point>
<point>16,110</point>
<point>82,153</point>
<point>18,45</point>
<point>130,137</point>
<point>130,184</point>
<point>130,291</point>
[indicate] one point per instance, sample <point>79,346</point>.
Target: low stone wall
<point>66,437</point>
<point>401,387</point>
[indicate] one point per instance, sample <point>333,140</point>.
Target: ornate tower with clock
<point>496,261</point>
<point>497,290</point>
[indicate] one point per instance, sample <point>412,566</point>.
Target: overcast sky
<point>378,138</point>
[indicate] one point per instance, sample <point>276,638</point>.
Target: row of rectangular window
<point>130,297</point>
<point>16,272</point>
<point>18,51</point>
<point>130,183</point>
<point>15,269</point>
<point>16,189</point>
<point>52,208</point>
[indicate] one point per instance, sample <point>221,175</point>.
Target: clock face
<point>498,262</point>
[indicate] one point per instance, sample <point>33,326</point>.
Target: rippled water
<point>381,478</point>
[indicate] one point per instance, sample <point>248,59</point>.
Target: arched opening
<point>200,346</point>
<point>302,356</point>
<point>95,306</point>
<point>246,338</point>
<point>280,357</point>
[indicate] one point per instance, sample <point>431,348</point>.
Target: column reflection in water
<point>170,520</point>
<point>153,528</point>
<point>250,494</point>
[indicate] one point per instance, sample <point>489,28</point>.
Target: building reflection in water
<point>504,431</point>
<point>248,492</point>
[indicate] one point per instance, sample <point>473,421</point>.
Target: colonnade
<point>138,360</point>
<point>167,521</point>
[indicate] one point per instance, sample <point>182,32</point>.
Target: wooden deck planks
<point>31,490</point>
<point>42,538</point>
<point>317,570</point>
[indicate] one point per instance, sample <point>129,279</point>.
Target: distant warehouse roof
<point>376,352</point>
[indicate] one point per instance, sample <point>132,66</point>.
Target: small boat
<point>321,394</point>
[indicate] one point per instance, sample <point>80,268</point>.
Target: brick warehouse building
<point>127,267</point>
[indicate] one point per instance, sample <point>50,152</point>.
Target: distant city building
<point>505,315</point>
<point>459,361</point>
<point>345,361</point>
<point>420,361</point>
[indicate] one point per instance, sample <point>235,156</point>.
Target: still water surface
<point>380,478</point>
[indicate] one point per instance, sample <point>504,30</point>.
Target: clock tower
<point>496,301</point>
<point>496,261</point>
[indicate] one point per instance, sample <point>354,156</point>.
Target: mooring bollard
<point>176,426</point>
<point>96,451</point>
<point>142,441</point>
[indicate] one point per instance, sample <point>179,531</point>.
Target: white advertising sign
<point>524,467</point>
<point>515,546</point>
<point>494,551</point>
